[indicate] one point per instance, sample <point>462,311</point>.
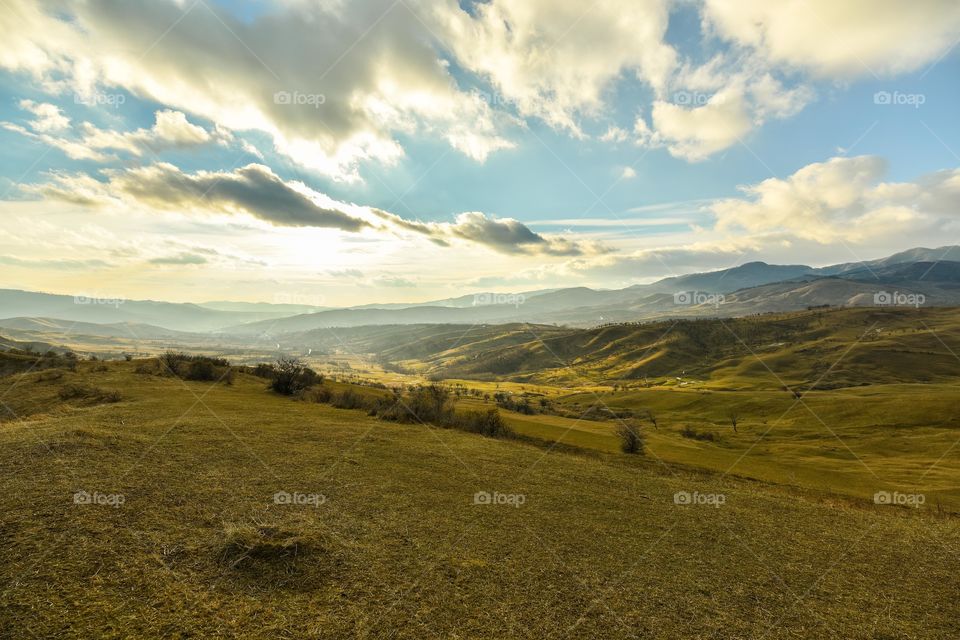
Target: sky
<point>343,152</point>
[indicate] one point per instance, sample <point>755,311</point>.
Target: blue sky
<point>499,147</point>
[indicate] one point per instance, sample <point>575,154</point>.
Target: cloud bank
<point>257,191</point>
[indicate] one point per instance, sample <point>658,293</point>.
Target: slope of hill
<point>945,271</point>
<point>880,346</point>
<point>918,254</point>
<point>123,330</point>
<point>751,274</point>
<point>112,516</point>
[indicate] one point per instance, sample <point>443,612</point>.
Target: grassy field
<point>857,441</point>
<point>184,537</point>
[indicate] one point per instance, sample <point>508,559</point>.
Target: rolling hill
<point>879,346</point>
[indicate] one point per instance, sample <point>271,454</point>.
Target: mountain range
<point>920,276</point>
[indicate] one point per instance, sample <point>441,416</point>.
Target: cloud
<point>504,235</point>
<point>510,236</point>
<point>694,134</point>
<point>74,150</point>
<point>345,273</point>
<point>841,199</point>
<point>615,134</point>
<point>170,129</point>
<point>715,105</point>
<point>48,117</point>
<point>180,259</point>
<point>628,173</point>
<point>329,102</point>
<point>254,190</point>
<point>66,265</point>
<point>839,39</point>
<point>554,60</point>
<point>393,282</point>
<point>382,72</point>
<point>662,261</point>
<point>257,191</point>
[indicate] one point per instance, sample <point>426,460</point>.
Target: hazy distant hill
<point>941,271</point>
<point>920,254</point>
<point>755,287</point>
<point>176,316</point>
<point>752,274</point>
<point>267,308</point>
<point>122,330</point>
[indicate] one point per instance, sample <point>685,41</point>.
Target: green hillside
<point>878,346</point>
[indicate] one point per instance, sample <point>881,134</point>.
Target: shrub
<point>317,394</point>
<point>488,423</point>
<point>263,370</point>
<point>693,434</point>
<point>631,439</point>
<point>147,368</point>
<point>348,399</point>
<point>170,362</point>
<point>291,376</point>
<point>431,403</point>
<point>173,361</point>
<point>201,370</point>
<point>83,392</point>
<point>508,402</point>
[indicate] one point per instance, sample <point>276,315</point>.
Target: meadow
<point>396,530</point>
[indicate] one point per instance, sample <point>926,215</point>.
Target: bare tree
<point>631,439</point>
<point>734,419</point>
<point>652,418</point>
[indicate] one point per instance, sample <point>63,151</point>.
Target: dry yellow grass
<point>397,548</point>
